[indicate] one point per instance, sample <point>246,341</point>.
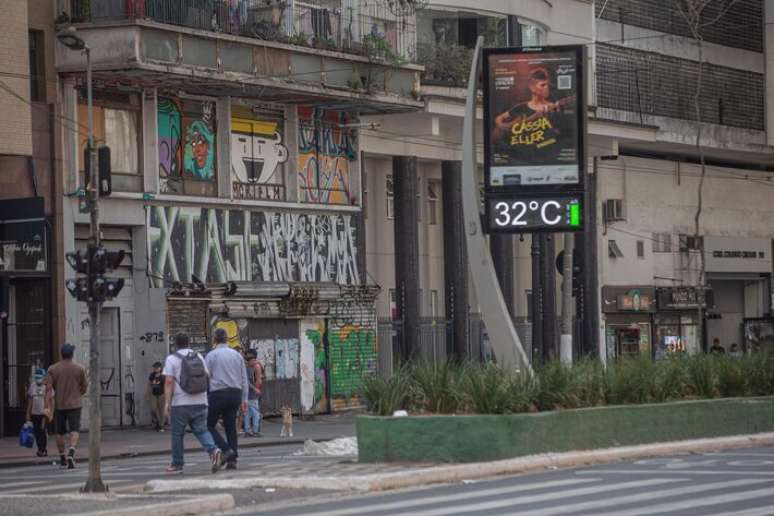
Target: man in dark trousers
<point>228,393</point>
<point>65,384</point>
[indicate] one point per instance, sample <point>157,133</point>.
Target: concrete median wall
<point>491,437</point>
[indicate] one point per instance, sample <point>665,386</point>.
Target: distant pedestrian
<point>66,383</point>
<point>156,387</point>
<point>36,411</point>
<point>228,393</point>
<point>716,348</point>
<point>734,350</point>
<point>255,383</point>
<point>185,392</point>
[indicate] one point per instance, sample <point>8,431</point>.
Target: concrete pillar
<point>501,247</point>
<point>548,282</point>
<point>358,222</point>
<point>455,260</point>
<point>768,52</point>
<point>404,177</point>
<point>223,116</point>
<point>150,141</point>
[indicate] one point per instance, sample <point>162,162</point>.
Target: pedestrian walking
<point>255,383</point>
<point>185,393</point>
<point>156,388</point>
<point>228,393</point>
<point>36,411</point>
<point>65,384</point>
<point>716,348</point>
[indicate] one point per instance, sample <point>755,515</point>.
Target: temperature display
<point>528,213</point>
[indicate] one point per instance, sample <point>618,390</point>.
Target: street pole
<point>94,482</point>
<point>565,345</point>
<point>537,301</point>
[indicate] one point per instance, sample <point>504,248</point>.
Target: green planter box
<point>492,437</point>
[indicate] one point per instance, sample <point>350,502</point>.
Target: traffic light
<point>94,263</point>
<point>104,175</point>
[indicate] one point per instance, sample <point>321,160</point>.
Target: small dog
<point>287,422</point>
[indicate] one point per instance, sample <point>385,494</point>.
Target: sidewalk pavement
<point>138,441</point>
<point>114,505</point>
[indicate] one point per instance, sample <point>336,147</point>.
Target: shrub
<point>487,388</point>
<point>437,386</point>
<point>385,396</point>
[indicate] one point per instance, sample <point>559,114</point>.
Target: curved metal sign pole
<point>505,342</point>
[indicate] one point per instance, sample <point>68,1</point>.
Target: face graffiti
<point>241,245</point>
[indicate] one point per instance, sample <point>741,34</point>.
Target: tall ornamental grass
<point>423,387</point>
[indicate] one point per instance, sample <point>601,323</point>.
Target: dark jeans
<point>195,417</point>
<point>224,403</point>
<point>39,429</point>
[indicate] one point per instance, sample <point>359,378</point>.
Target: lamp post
<point>94,484</point>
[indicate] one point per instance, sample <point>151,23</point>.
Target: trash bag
<point>26,437</point>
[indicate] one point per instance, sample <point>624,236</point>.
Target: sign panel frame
<point>542,208</point>
<point>538,68</point>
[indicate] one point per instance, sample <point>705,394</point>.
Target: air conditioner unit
<point>614,210</point>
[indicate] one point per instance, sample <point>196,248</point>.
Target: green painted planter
<point>492,437</point>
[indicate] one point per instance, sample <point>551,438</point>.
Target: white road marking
<point>639,497</point>
<point>672,472</point>
<point>412,504</point>
<point>700,502</point>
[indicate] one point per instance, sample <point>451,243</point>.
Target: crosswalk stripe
<point>767,510</point>
<point>701,502</point>
<point>54,488</point>
<point>572,493</point>
<point>639,497</point>
<point>21,484</point>
<point>672,472</point>
<point>412,504</point>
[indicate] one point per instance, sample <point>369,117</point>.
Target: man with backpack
<point>185,390</point>
<point>228,393</point>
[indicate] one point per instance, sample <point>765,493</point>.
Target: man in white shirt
<point>228,393</point>
<point>187,408</point>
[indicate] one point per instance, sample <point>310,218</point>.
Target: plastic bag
<point>26,438</point>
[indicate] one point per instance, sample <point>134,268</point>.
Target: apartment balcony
<point>350,54</point>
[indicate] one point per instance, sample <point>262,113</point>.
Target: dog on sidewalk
<point>287,422</point>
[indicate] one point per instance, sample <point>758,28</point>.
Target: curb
<point>152,453</point>
<point>201,505</point>
<point>460,472</point>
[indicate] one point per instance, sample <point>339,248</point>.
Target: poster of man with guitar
<point>533,118</point>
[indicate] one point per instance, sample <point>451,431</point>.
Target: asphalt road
<point>739,483</point>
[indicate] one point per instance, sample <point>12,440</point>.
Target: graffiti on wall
<point>186,140</point>
<point>326,157</point>
<point>280,358</point>
<point>353,356</point>
<point>313,334</point>
<point>241,245</point>
<point>235,329</point>
<point>257,151</point>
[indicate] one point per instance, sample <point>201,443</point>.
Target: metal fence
<point>365,27</point>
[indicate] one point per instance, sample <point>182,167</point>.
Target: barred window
<point>662,242</point>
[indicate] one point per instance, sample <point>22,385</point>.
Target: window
<point>433,187</point>
<point>531,35</point>
<point>640,249</point>
<point>117,125</point>
<point>390,197</point>
<point>37,66</point>
<point>187,146</point>
<point>662,242</point>
<point>613,250</point>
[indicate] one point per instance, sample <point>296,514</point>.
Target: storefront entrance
<point>24,344</point>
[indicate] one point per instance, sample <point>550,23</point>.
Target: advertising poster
<point>533,114</point>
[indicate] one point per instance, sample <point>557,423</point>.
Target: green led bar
<point>575,215</point>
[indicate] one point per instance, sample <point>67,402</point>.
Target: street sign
<point>534,118</point>
<point>533,213</point>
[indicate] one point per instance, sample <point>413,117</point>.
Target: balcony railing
<point>446,64</point>
<point>364,27</point>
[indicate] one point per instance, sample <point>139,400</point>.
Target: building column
<point>455,258</point>
<point>548,282</point>
<point>501,247</point>
<point>404,177</point>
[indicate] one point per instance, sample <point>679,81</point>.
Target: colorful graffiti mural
<point>241,245</point>
<point>234,329</point>
<point>314,335</point>
<point>186,140</point>
<point>353,356</point>
<point>257,151</point>
<point>326,157</point>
